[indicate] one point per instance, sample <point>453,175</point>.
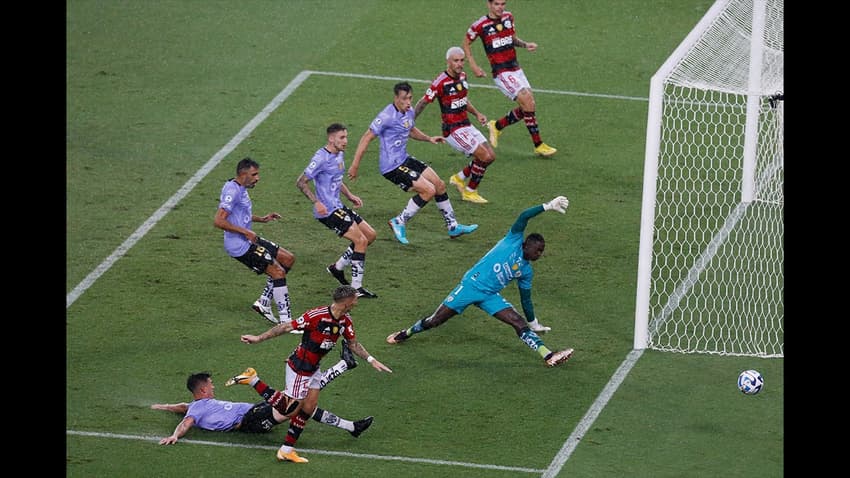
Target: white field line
<point>574,438</point>
<point>230,146</point>
<point>303,451</point>
<point>185,190</point>
<point>536,90</point>
<point>590,417</point>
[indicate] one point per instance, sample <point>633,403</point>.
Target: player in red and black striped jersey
<point>451,90</point>
<point>322,326</point>
<point>498,34</point>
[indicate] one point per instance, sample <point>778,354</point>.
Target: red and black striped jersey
<point>498,39</point>
<point>452,95</point>
<point>321,332</point>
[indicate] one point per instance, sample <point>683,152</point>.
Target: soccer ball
<point>750,382</point>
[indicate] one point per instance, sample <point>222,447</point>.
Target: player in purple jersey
<point>235,216</point>
<point>394,125</point>
<point>510,259</point>
<point>325,170</point>
<point>498,35</point>
<point>451,91</point>
<point>208,413</point>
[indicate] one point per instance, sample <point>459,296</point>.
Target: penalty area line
<point>428,82</point>
<point>172,202</point>
<point>346,454</point>
<point>185,190</point>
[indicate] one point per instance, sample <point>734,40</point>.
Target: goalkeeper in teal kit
<point>509,259</point>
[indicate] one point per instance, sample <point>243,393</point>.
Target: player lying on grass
<point>481,285</point>
<point>208,413</point>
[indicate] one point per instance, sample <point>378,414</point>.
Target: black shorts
<point>407,172</point>
<point>259,419</point>
<point>259,255</point>
<point>340,220</point>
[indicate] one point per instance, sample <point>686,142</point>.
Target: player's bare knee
<point>360,241</point>
<point>485,154</point>
<point>286,258</point>
<point>439,187</point>
<point>275,271</point>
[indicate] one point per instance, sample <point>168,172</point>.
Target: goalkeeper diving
<point>481,285</point>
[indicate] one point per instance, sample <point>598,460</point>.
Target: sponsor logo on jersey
<point>459,103</point>
<point>500,42</point>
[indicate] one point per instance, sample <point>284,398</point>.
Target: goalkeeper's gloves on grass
<point>559,204</point>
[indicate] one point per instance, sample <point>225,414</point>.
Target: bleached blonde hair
<point>454,50</point>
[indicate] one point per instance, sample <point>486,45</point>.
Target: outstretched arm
<point>522,220</point>
<point>176,407</point>
<point>361,352</point>
<point>559,204</point>
<point>179,432</point>
<point>279,329</point>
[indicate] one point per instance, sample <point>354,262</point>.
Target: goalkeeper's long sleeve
<point>522,221</point>
<point>527,305</point>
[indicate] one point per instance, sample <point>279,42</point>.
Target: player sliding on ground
<point>323,326</point>
<point>509,259</point>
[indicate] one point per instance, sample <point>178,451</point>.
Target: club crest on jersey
<point>499,27</point>
<point>406,124</point>
<point>507,24</point>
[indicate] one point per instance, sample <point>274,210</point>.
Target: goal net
<point>710,272</point>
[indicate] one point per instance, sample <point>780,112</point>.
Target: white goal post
<point>711,265</point>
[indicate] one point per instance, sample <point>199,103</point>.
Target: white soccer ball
<point>750,382</point>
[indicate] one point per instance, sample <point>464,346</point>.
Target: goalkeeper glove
<point>559,204</point>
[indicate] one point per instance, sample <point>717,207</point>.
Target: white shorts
<point>297,386</point>
<point>511,82</point>
<point>466,139</point>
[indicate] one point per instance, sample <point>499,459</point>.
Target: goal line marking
<point>571,442</point>
<point>367,456</point>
